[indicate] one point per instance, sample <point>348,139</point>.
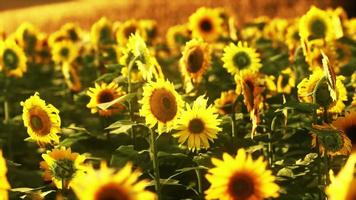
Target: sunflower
<point>240,178</point>
<point>64,51</point>
<point>126,29</point>
<point>136,75</point>
<point>195,60</point>
<point>292,38</point>
<point>177,36</point>
<point>161,105</point>
<point>42,121</point>
<point>4,184</point>
<point>331,140</point>
<point>315,24</point>
<point>12,59</point>
<point>61,166</point>
<point>27,37</point>
<point>286,81</point>
<point>343,186</point>
<point>198,124</point>
<point>71,31</point>
<point>101,33</point>
<point>225,104</point>
<point>71,77</point>
<point>315,90</point>
<point>149,29</point>
<point>276,29</point>
<point>108,183</point>
<point>347,125</point>
<point>240,57</point>
<point>104,93</point>
<point>206,23</point>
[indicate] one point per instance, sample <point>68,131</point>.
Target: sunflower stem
<point>129,91</point>
<point>153,155</point>
<point>200,185</point>
<point>6,112</point>
<point>233,131</point>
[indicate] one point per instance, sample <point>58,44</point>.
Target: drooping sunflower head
<point>12,59</point>
<point>240,57</point>
<point>27,37</point>
<point>64,51</point>
<point>126,29</point>
<point>104,93</point>
<point>226,103</point>
<point>198,124</point>
<point>161,105</point>
<point>240,178</point>
<point>195,60</point>
<point>42,121</point>
<point>347,125</point>
<point>108,183</point>
<point>315,24</point>
<point>206,23</point>
<point>286,81</point>
<point>101,33</point>
<point>177,36</point>
<point>4,184</point>
<point>62,165</point>
<point>71,77</point>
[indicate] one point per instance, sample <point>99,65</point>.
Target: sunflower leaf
<point>104,106</point>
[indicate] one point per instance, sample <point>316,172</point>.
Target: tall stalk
<point>153,156</point>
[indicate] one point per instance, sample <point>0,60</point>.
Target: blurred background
<point>48,15</point>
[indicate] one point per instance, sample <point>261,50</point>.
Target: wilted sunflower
<point>315,90</point>
<point>177,36</point>
<point>71,77</point>
<point>126,29</point>
<point>4,184</point>
<point>330,140</point>
<point>225,104</point>
<point>61,166</point>
<point>240,178</point>
<point>315,24</point>
<point>347,125</point>
<point>240,57</point>
<point>42,121</point>
<point>64,51</point>
<point>12,59</point>
<point>104,93</point>
<point>286,81</point>
<point>195,60</point>
<point>198,124</point>
<point>343,186</point>
<point>108,183</point>
<point>161,105</point>
<point>206,23</point>
<point>101,33</point>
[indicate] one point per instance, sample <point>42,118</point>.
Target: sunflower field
<point>213,109</point>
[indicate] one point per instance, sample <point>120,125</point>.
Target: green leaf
<point>300,106</point>
<point>285,172</point>
<point>122,129</point>
<point>107,105</point>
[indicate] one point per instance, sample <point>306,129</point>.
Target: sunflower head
<point>237,178</point>
<point>27,37</point>
<point>12,59</point>
<point>347,125</point>
<point>4,184</point>
<point>292,36</point>
<point>64,51</point>
<point>109,183</point>
<point>126,29</point>
<point>42,120</point>
<point>61,166</point>
<point>101,33</point>
<point>226,103</point>
<point>71,77</point>
<point>240,57</point>
<point>104,93</point>
<point>195,60</point>
<point>206,23</point>
<point>198,124</point>
<point>149,30</point>
<point>161,105</point>
<point>177,36</point>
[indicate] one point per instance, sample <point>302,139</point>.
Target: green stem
<point>6,112</point>
<point>233,132</point>
<point>129,91</point>
<point>153,155</point>
<point>269,149</point>
<point>200,185</point>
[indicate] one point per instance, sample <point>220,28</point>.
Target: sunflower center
<point>351,133</point>
<point>318,28</point>
<point>105,96</point>
<point>322,94</point>
<point>196,126</point>
<point>163,105</point>
<point>10,58</point>
<point>180,38</point>
<point>241,186</point>
<point>241,60</point>
<point>129,30</point>
<point>285,80</point>
<point>39,121</point>
<point>104,35</point>
<point>206,25</point>
<point>195,60</point>
<point>73,35</point>
<point>228,107</point>
<point>64,52</point>
<point>64,169</point>
<point>111,191</point>
<point>296,36</point>
<point>332,141</point>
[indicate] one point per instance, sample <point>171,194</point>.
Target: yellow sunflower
<point>198,124</point>
<point>71,77</point>
<point>206,23</point>
<point>315,24</point>
<point>27,37</point>
<point>347,125</point>
<point>104,93</point>
<point>343,186</point>
<point>4,184</point>
<point>149,29</point>
<point>276,29</point>
<point>331,141</point>
<point>12,59</point>
<point>240,57</point>
<point>42,121</point>
<point>286,81</point>
<point>64,51</point>
<point>292,38</point>
<point>101,33</point>
<point>240,178</point>
<point>126,29</point>
<point>71,31</point>
<point>350,28</point>
<point>161,105</point>
<point>61,166</point>
<point>108,183</point>
<point>315,90</point>
<point>177,36</point>
<point>195,60</point>
<point>225,104</point>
